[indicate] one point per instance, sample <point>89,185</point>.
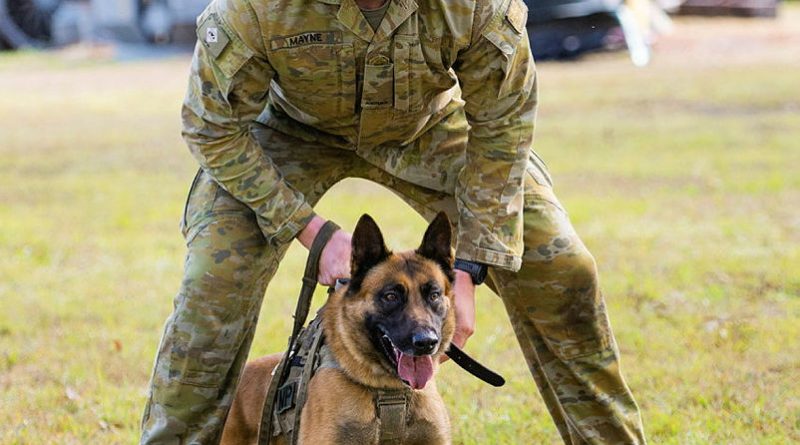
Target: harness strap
<point>300,314</point>
<point>392,408</point>
<point>305,378</point>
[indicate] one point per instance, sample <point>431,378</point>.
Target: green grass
<point>683,179</point>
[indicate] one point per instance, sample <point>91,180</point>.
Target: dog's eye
<point>391,297</point>
<point>434,295</point>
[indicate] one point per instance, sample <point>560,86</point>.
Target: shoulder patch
<point>517,15</point>
<point>213,35</point>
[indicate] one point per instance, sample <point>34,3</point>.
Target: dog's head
<point>397,311</point>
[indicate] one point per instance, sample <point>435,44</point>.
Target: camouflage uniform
<point>288,97</point>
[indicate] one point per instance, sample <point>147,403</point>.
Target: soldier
<point>435,100</point>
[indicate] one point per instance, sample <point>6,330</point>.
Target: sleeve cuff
<point>295,224</point>
<point>488,257</point>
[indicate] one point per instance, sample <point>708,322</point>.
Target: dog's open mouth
<point>414,370</point>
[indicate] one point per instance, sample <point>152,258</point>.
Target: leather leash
<point>473,367</point>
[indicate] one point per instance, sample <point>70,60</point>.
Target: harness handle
<point>300,314</point>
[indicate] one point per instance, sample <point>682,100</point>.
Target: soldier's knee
<point>559,256</point>
<point>582,267</point>
<point>222,287</point>
<point>563,299</point>
<point>215,308</point>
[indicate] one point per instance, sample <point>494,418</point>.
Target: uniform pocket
<point>378,89</point>
<point>317,78</point>
<point>227,51</point>
<point>185,218</point>
<point>207,201</point>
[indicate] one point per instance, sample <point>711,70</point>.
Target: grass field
<point>683,179</point>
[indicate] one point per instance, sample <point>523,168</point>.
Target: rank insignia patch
<point>212,35</point>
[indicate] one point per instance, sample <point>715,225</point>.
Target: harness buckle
<point>389,399</point>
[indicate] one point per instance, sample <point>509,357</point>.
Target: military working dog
<point>385,330</point>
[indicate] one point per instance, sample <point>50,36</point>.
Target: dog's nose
<point>424,341</point>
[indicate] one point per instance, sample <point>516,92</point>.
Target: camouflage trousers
<point>553,302</point>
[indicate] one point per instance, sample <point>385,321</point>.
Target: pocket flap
<point>503,36</point>
<point>517,15</point>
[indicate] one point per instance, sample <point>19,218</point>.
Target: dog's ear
<point>436,244</point>
<point>368,248</point>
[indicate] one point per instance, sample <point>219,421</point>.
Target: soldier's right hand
<point>334,262</point>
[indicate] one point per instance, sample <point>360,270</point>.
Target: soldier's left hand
<point>464,297</point>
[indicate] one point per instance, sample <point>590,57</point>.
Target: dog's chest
<point>341,412</point>
<point>417,431</point>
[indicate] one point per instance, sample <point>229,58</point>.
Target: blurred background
<point>558,28</point>
<point>672,130</point>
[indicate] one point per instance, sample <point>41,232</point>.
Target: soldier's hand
<point>464,296</point>
<point>334,262</point>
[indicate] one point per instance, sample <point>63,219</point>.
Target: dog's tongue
<point>415,370</point>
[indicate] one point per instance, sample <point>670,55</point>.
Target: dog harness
<point>308,353</point>
<point>311,355</point>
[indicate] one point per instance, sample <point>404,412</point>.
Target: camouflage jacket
<point>315,69</point>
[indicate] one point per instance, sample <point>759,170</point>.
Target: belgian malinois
<point>387,329</point>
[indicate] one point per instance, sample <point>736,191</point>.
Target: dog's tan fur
<point>340,408</point>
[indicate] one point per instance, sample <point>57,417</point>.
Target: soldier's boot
<point>228,266</point>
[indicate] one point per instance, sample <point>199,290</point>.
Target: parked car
<point>561,29</point>
<point>41,23</point>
